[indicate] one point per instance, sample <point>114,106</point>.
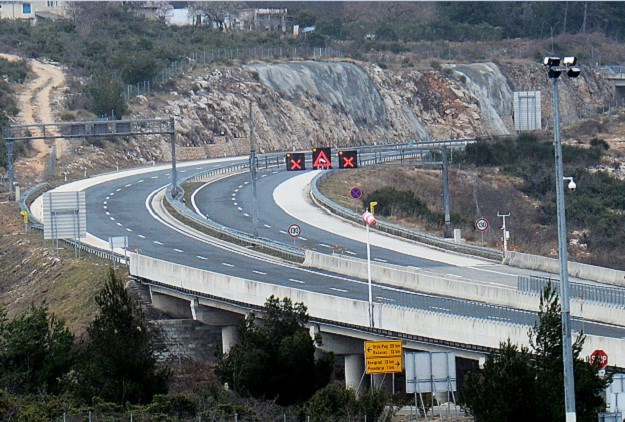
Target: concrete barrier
<point>410,321</point>
<point>407,278</point>
<point>576,269</point>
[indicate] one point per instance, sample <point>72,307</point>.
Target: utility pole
<point>253,175</point>
<point>505,233</point>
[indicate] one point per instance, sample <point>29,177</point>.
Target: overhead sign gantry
<point>90,129</point>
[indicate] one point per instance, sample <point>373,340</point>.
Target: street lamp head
<point>554,73</point>
<point>551,61</point>
<point>573,72</point>
<point>570,61</point>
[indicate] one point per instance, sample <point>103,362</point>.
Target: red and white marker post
<point>369,220</point>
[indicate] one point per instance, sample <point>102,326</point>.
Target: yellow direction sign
<point>25,215</point>
<point>384,365</point>
<point>383,349</point>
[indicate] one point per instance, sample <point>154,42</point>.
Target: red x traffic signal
<point>295,161</point>
<point>348,159</point>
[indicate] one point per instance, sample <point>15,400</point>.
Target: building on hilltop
<point>32,10</point>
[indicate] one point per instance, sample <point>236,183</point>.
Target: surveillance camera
<point>572,186</point>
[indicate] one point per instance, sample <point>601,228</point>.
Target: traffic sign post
<point>383,357</point>
<point>294,230</point>
<point>481,224</point>
<point>599,358</point>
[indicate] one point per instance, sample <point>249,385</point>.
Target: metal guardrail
<point>35,224</point>
<point>610,296</point>
<point>228,233</point>
<point>399,230</point>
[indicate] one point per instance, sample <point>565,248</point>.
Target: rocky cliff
<point>299,105</point>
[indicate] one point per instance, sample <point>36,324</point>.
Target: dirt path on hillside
<point>35,104</point>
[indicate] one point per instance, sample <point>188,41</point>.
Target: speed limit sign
<point>481,224</point>
<point>294,230</point>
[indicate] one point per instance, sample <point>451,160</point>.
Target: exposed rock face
<point>344,87</point>
<point>490,87</point>
<point>299,105</point>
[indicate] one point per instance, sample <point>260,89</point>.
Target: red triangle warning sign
<point>321,159</point>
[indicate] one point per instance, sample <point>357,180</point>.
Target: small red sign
<point>600,358</point>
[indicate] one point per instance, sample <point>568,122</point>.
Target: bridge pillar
<point>229,337</point>
<point>354,372</point>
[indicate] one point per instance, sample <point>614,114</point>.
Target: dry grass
<point>30,274</point>
<point>473,193</point>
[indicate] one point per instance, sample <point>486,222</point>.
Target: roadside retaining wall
<point>576,269</point>
<point>411,279</point>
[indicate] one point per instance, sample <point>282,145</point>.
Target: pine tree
<point>275,357</point>
<point>118,364</point>
<point>36,352</point>
<point>530,382</point>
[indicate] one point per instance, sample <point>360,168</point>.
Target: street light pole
<point>505,233</point>
<point>567,347</point>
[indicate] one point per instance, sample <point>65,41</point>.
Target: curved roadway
<point>122,207</point>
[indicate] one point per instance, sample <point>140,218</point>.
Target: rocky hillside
<point>304,104</point>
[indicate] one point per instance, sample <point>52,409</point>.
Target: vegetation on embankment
<point>500,177</point>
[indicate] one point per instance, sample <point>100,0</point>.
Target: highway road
<point>282,202</point>
<point>122,207</point>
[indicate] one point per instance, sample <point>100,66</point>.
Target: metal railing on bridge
<point>610,296</point>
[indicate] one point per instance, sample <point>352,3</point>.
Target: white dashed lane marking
<point>440,309</point>
<point>119,224</point>
<point>338,290</point>
<point>380,260</point>
<point>324,245</point>
<point>267,225</point>
<point>112,218</point>
<point>259,272</point>
<point>141,236</point>
<point>140,181</point>
<point>154,177</point>
<point>179,250</point>
<point>283,232</point>
<point>297,281</point>
<point>117,190</point>
<point>128,230</point>
<point>157,242</point>
<point>227,264</point>
<point>201,257</point>
<point>246,214</point>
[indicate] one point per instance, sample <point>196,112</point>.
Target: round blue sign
<point>356,193</point>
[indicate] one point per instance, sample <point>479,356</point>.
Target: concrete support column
<point>354,370</point>
<point>229,337</point>
<point>197,311</point>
